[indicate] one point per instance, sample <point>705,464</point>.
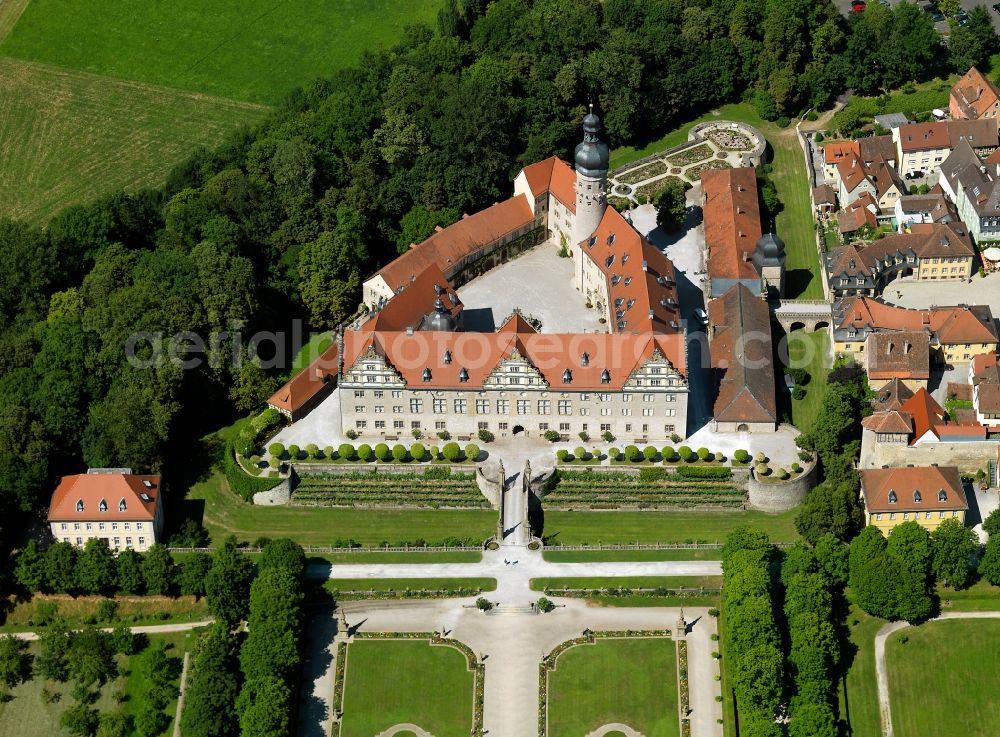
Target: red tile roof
<point>834,151</point>
<point>902,355</point>
<point>974,93</point>
<point>416,299</point>
<point>111,488</point>
<point>741,345</point>
<point>307,383</point>
<point>951,325</point>
<point>924,136</point>
<point>553,175</point>
<point>858,213</point>
<point>923,483</point>
<point>732,221</point>
<point>890,421</point>
<point>450,247</point>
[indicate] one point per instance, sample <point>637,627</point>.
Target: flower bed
<point>730,140</point>
<point>691,155</point>
<point>650,170</point>
<point>683,691</point>
<point>651,190</point>
<point>694,173</point>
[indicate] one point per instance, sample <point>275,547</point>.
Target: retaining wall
<point>280,494</point>
<point>780,496</point>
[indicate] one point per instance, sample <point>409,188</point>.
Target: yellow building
<point>927,494</point>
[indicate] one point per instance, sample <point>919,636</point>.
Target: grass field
<point>814,349</point>
<point>456,557</point>
<point>556,555</point>
<point>68,136</point>
<point>254,50</point>
<point>979,597</point>
<point>795,221</point>
<point>943,681</point>
<point>628,681</point>
<point>399,681</point>
<point>411,584</point>
<point>857,692</point>
<point>577,528</point>
<point>27,714</point>
<point>226,514</point>
<point>628,582</point>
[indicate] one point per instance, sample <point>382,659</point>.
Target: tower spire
<point>591,159</point>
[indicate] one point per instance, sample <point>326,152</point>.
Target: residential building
<point>112,504</point>
<point>974,96</point>
<point>956,334</point>
<point>742,361</point>
<point>876,178</point>
<point>929,252</point>
<point>824,199</point>
<point>902,357</point>
<point>863,211</point>
<point>984,373</point>
<point>933,207</point>
<point>927,495</point>
<point>924,146</point>
<point>833,153</point>
<point>972,185</point>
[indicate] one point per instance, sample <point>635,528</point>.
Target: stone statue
<point>680,626</point>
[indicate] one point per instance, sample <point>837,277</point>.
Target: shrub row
<point>240,482</point>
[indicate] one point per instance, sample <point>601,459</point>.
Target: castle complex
<point>410,369</point>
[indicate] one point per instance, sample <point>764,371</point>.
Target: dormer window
<point>592,241</point>
<point>447,356</point>
<point>79,505</point>
<point>611,239</point>
<point>103,506</point>
<point>609,260</point>
<point>892,497</point>
<point>615,279</point>
<point>585,359</point>
<point>605,377</point>
<point>122,506</point>
<point>631,302</point>
<point>942,495</point>
<point>628,280</point>
<point>426,375</point>
<point>916,497</point>
<point>624,258</point>
<point>463,375</point>
<point>567,377</point>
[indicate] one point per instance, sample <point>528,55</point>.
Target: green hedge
<point>239,480</point>
<point>704,472</point>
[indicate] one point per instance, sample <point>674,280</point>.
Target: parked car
<point>936,15</point>
<point>858,6</point>
<point>996,7</point>
<point>918,174</point>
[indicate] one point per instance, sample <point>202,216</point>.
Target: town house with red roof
<point>112,504</point>
<point>974,96</point>
<point>927,495</point>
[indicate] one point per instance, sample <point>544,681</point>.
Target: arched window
<point>892,497</point>
<point>121,505</point>
<point>103,506</point>
<point>916,496</point>
<point>942,496</point>
<point>79,505</point>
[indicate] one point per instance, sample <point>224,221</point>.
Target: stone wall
<point>312,469</point>
<point>490,483</point>
<point>280,494</point>
<point>780,496</point>
<point>969,456</point>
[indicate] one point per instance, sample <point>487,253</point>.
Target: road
<point>881,670</point>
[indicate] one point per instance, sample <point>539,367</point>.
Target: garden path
<point>881,671</point>
<point>150,629</point>
<point>615,727</point>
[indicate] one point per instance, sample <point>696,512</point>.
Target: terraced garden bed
<point>652,189</point>
<point>729,140</point>
<point>612,491</point>
<point>694,173</point>
<point>691,155</point>
<point>647,171</point>
<point>455,490</point>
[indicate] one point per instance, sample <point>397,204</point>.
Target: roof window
<point>102,506</point>
<point>122,506</point>
<point>592,240</point>
<point>628,280</point>
<point>79,505</point>
<point>605,377</point>
<point>567,377</point>
<point>463,375</point>
<point>611,239</point>
<point>585,359</point>
<point>427,374</point>
<point>942,495</point>
<point>916,496</point>
<point>447,356</point>
<point>609,260</point>
<point>892,497</point>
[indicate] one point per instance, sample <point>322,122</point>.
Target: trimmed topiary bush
<point>346,452</point>
<point>485,436</point>
<point>614,454</point>
<point>472,452</point>
<point>451,452</point>
<point>328,452</point>
<point>351,434</point>
<point>607,436</point>
<point>418,451</point>
<point>312,451</point>
<point>399,453</point>
<point>276,449</point>
<point>685,453</point>
<point>741,456</point>
<point>649,453</point>
<point>562,455</point>
<point>551,435</point>
<point>294,452</point>
<point>703,453</point>
<point>579,453</point>
<point>365,452</point>
<point>667,452</point>
<point>633,454</point>
<point>382,452</point>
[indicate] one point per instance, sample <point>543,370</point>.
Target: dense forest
<point>283,221</point>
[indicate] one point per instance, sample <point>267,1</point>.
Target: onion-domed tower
<point>769,259</point>
<point>591,160</point>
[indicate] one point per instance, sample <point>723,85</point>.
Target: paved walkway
<point>615,727</point>
<point>405,728</point>
<point>882,673</point>
<point>151,629</point>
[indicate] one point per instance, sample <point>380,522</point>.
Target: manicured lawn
<point>591,556</point>
<point>810,351</point>
<point>226,514</point>
<point>628,681</point>
<point>979,597</point>
<point>134,610</point>
<point>408,584</point>
<point>67,136</point>
<point>943,681</point>
<point>577,528</point>
<point>795,221</point>
<point>456,557</point>
<point>628,582</point>
<point>27,714</point>
<point>401,681</point>
<point>254,50</point>
<point>858,691</point>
